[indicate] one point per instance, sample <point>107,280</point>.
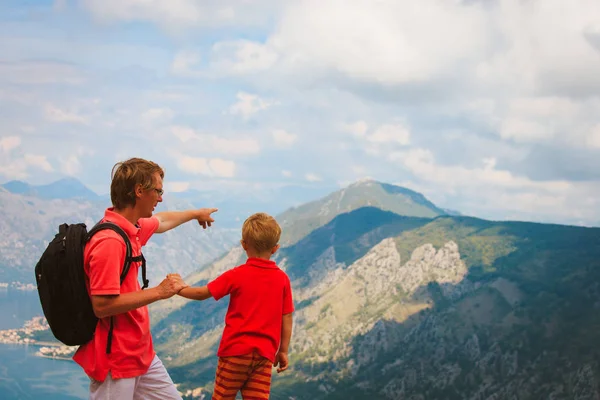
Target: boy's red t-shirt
<point>132,351</point>
<point>260,295</point>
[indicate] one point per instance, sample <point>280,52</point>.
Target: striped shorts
<point>250,374</point>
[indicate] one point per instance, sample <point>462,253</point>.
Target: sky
<point>491,108</point>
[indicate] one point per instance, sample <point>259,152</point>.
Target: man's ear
<point>274,249</point>
<point>139,190</point>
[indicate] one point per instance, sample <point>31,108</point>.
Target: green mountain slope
<point>448,308</point>
<point>348,237</point>
<point>521,323</point>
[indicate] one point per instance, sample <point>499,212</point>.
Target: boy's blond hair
<point>126,175</point>
<point>261,232</point>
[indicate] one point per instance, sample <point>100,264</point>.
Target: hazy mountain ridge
<point>299,221</point>
<point>66,188</point>
<point>28,223</point>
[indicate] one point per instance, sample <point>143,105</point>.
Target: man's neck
<point>129,213</point>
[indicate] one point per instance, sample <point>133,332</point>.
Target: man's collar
<point>124,223</point>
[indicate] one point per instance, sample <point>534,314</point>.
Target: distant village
<point>27,336</point>
<point>17,286</point>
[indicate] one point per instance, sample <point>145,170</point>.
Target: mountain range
<point>397,299</point>
<point>30,217</point>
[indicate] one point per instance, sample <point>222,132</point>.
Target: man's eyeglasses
<point>159,191</point>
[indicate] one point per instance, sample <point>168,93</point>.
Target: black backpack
<point>61,284</point>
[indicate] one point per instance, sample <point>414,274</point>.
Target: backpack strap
<point>128,251</point>
<point>128,260</point>
<point>143,260</point>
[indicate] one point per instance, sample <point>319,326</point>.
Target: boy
<point>258,324</point>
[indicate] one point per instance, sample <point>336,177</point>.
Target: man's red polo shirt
<point>260,296</point>
<point>132,350</point>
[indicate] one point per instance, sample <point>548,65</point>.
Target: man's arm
<point>195,293</point>
<point>281,358</point>
<point>168,220</point>
<point>106,306</point>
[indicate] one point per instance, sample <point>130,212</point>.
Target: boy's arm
<point>195,293</point>
<point>168,220</point>
<point>286,334</point>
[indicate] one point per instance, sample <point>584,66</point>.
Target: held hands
<point>203,216</point>
<point>171,285</point>
<point>281,360</point>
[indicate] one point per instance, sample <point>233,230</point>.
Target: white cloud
<point>157,114</point>
<point>594,137</point>
<point>242,57</point>
<point>232,146</point>
<point>55,114</point>
<point>283,138</point>
<point>492,70</point>
<point>358,128</point>
<point>215,144</point>
<point>19,168</point>
<point>422,164</point>
<point>184,134</point>
<point>249,104</point>
<point>557,120</point>
<point>523,130</point>
<point>38,161</point>
<point>312,177</point>
<point>210,167</point>
<point>223,168</point>
<point>194,165</point>
<point>359,169</point>
<point>390,134</point>
<point>177,187</point>
<point>176,15</point>
<point>176,11</point>
<point>9,143</point>
<point>503,47</point>
<point>185,63</point>
<point>40,73</point>
<point>379,42</point>
<point>532,119</point>
<point>14,170</point>
<point>487,191</point>
<point>71,165</point>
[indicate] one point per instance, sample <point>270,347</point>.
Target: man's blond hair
<point>126,175</point>
<point>261,232</point>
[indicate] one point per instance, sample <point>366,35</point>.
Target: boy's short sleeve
<point>106,259</point>
<point>288,301</point>
<point>147,228</point>
<point>222,285</point>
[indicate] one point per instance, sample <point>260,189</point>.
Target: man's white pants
<point>154,384</point>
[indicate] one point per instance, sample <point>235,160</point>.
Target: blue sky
<point>488,107</point>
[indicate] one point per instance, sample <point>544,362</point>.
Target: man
<point>122,364</point>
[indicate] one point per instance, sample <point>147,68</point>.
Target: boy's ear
<point>274,249</point>
<point>243,245</point>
